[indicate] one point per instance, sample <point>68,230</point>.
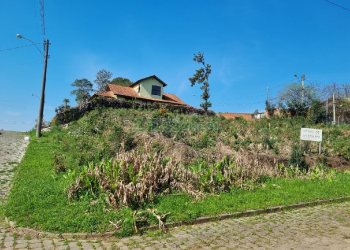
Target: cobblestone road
<point>321,227</point>
<point>12,148</point>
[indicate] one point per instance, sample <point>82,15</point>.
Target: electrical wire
<point>338,5</point>
<point>19,47</point>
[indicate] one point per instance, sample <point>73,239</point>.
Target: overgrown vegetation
<point>73,114</point>
<point>127,168</point>
<point>313,102</point>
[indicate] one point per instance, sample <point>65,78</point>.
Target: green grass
<point>276,192</point>
<point>38,198</point>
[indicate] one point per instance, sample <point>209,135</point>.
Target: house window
<point>156,90</point>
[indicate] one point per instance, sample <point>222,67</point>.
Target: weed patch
<point>110,169</point>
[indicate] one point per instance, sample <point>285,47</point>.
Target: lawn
<point>39,200</point>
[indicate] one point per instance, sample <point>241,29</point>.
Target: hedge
<point>72,114</point>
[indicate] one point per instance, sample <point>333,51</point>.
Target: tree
<point>346,90</point>
<point>63,107</point>
<point>201,77</point>
<point>66,103</point>
<point>82,91</point>
<point>296,100</point>
<point>340,91</point>
<point>103,77</point>
<point>121,81</point>
<point>270,108</point>
<point>317,112</point>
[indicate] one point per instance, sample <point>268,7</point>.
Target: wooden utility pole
<point>327,118</point>
<point>42,98</point>
<point>334,120</point>
<point>302,88</point>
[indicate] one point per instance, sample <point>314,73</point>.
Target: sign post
<point>311,134</point>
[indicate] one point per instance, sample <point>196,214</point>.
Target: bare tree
<point>103,77</point>
<point>296,99</point>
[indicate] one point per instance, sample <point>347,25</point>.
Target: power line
<point>42,16</point>
<point>19,47</point>
<point>337,5</point>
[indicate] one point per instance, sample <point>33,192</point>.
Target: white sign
<point>311,134</point>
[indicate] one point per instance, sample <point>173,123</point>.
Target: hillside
<point>189,138</point>
<point>128,165</point>
<point>188,153</point>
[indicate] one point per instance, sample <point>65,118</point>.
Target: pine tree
<point>201,76</point>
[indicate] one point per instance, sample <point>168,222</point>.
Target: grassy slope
<point>38,197</point>
<point>277,192</point>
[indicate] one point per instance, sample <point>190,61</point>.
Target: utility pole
<point>42,98</point>
<point>267,94</point>
<point>327,110</point>
<point>267,104</point>
<point>302,88</point>
<point>334,120</point>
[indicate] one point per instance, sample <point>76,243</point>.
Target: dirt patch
<point>177,150</point>
<point>338,163</point>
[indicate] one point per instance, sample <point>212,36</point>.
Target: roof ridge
<point>148,77</point>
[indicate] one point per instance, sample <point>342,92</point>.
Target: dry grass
<point>138,176</point>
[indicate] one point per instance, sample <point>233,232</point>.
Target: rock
<point>47,129</point>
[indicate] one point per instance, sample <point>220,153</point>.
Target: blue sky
<point>250,44</point>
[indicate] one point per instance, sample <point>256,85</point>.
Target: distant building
<point>146,90</point>
<point>259,115</point>
<point>245,116</point>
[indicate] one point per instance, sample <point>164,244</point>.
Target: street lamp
<point>42,98</point>
<point>302,80</point>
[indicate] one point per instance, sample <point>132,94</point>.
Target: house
<point>146,90</point>
<point>259,115</point>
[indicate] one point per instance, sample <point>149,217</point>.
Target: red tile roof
<point>122,90</point>
<point>106,94</point>
<point>114,90</point>
<point>149,77</point>
<point>172,97</point>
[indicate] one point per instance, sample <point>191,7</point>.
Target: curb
<point>110,235</point>
<point>249,213</point>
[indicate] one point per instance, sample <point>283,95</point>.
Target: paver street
<point>321,227</point>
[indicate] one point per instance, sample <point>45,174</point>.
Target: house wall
<point>146,88</point>
<point>120,98</point>
<point>136,88</point>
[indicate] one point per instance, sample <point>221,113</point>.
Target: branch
<point>116,225</point>
<point>161,219</point>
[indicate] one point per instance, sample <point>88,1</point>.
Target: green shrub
<point>297,158</point>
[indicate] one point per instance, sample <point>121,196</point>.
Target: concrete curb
<point>110,235</point>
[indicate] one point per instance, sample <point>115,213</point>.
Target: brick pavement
<point>321,227</point>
